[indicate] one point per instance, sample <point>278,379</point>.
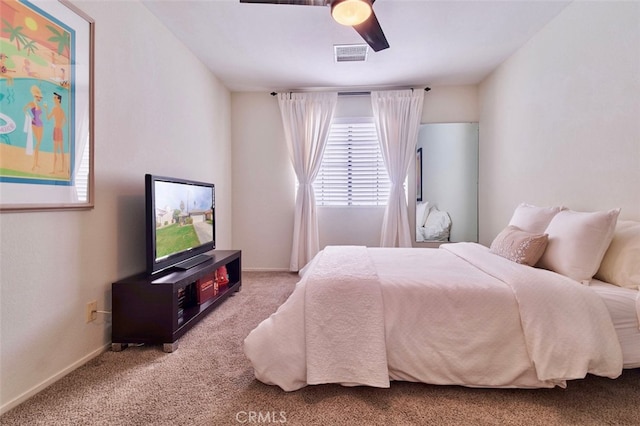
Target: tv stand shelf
<point>160,308</point>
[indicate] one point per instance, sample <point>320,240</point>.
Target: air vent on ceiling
<point>350,52</point>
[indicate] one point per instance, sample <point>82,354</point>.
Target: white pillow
<point>621,262</point>
<point>422,211</point>
<point>438,219</point>
<point>577,242</point>
<point>533,219</point>
<point>437,226</point>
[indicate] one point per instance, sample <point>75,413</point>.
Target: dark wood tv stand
<point>160,308</point>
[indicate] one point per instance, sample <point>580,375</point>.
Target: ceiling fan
<point>355,13</point>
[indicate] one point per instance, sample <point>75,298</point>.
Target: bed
<point>553,299</point>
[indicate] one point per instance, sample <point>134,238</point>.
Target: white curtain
<point>306,118</point>
<point>397,116</point>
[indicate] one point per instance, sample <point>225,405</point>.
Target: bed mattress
<point>624,307</point>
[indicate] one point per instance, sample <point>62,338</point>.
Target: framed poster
<point>419,175</point>
<point>46,106</point>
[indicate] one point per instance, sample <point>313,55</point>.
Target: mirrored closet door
<point>447,182</point>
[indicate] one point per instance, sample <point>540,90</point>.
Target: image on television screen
<point>184,217</point>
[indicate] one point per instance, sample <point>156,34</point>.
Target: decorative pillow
<point>621,262</point>
<point>532,218</point>
<point>437,225</point>
<point>577,242</point>
<point>519,246</point>
<point>438,218</point>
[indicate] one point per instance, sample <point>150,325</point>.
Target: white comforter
<point>454,315</point>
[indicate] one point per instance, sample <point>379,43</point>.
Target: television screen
<point>180,222</point>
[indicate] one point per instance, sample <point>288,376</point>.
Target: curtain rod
<point>355,93</point>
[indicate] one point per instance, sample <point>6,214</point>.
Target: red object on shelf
<point>222,278</point>
<point>207,288</point>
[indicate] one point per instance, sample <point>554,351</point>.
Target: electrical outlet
<point>92,311</point>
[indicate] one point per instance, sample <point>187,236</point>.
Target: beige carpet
<point>208,381</point>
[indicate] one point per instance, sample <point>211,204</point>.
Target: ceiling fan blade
<point>298,2</point>
<point>371,31</point>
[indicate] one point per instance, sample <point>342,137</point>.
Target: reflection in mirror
<point>447,182</point>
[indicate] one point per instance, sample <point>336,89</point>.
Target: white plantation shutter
<point>352,171</point>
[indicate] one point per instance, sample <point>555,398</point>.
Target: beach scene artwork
<point>36,96</point>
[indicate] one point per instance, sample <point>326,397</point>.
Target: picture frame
<point>419,175</point>
<point>46,106</point>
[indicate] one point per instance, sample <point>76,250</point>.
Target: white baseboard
<point>265,270</point>
<point>51,380</point>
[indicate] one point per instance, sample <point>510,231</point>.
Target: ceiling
<point>256,47</point>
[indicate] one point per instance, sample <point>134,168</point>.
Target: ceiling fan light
<point>350,12</point>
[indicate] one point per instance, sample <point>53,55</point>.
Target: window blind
<point>352,172</point>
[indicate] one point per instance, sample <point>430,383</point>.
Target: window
<point>352,172</point>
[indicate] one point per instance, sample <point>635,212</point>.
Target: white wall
<point>560,120</point>
<point>264,181</point>
<point>150,117</point>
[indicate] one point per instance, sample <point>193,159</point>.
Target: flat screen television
<point>180,222</point>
